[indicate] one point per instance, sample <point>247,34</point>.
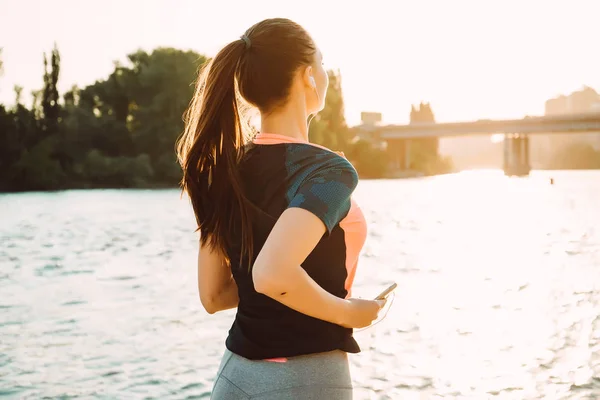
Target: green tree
<point>369,161</point>
<point>329,126</point>
<point>26,158</point>
<point>424,152</point>
<point>420,115</point>
<point>37,169</point>
<point>9,152</point>
<point>50,96</point>
<point>131,120</point>
<point>329,129</point>
<point>160,94</point>
<point>139,108</point>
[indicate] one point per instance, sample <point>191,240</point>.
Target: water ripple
<point>499,292</point>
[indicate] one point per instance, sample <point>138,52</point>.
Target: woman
<point>279,233</point>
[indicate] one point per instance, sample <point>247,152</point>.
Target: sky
<point>471,59</point>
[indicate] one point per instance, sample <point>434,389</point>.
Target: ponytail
<point>256,70</point>
<point>209,151</point>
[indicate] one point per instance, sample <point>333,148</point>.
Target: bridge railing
<point>589,122</point>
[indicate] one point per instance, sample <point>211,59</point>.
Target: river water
<point>498,297</point>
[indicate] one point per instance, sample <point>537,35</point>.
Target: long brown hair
<point>259,68</point>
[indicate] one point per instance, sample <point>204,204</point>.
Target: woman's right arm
<point>277,273</point>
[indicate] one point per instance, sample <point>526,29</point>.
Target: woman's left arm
<point>217,288</point>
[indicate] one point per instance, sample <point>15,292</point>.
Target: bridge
<point>516,134</point>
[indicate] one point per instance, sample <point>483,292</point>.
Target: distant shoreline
<point>403,176</point>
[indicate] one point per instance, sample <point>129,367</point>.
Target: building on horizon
<point>579,102</point>
<point>583,101</point>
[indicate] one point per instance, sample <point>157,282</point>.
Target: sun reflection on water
<point>498,291</point>
<point>490,299</point>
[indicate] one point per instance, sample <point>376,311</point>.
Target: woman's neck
<point>289,120</point>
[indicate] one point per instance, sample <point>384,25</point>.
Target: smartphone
<point>387,291</point>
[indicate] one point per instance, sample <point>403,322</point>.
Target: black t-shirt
<point>279,173</point>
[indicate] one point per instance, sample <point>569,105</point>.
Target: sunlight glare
<point>497,138</point>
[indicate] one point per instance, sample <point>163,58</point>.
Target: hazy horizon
<point>500,59</point>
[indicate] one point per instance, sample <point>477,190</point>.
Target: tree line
<point>120,131</point>
<point>117,132</point>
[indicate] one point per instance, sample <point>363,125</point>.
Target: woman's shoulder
<point>317,156</point>
<point>323,167</point>
<point>301,161</point>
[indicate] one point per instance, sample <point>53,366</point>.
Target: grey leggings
<point>315,377</point>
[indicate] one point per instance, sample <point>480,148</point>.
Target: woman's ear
<point>308,77</point>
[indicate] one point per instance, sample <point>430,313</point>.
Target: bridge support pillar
<point>516,155</point>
